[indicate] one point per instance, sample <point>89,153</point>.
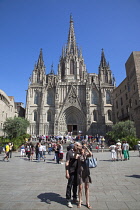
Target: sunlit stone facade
<point>7,109</point>
<point>72,100</point>
<point>126,96</point>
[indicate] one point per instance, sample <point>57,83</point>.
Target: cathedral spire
<point>71,44</point>
<point>103,62</point>
<point>71,67</point>
<point>40,62</point>
<point>105,74</point>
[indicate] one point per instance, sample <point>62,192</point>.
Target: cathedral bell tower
<point>38,75</point>
<point>71,67</point>
<point>105,74</point>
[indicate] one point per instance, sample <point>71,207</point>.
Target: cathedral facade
<point>72,100</point>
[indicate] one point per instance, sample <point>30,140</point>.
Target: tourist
<point>61,153</point>
<point>113,152</point>
<point>119,149</point>
<point>37,150</point>
<point>57,153</point>
<point>44,150</point>
<point>125,147</point>
<point>138,146</point>
<point>83,174</point>
<point>31,151</point>
<point>97,147</point>
<point>49,148</point>
<point>71,173</point>
<point>40,153</point>
<point>28,151</point>
<point>22,150</point>
<point>10,149</point>
<point>6,152</point>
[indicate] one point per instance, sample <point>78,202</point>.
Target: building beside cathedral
<point>9,109</point>
<point>126,96</point>
<point>72,100</point>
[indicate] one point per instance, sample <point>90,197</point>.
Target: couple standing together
<point>77,173</point>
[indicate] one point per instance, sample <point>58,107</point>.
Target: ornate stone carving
<point>72,98</point>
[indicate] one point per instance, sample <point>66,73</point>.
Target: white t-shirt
<point>40,148</point>
<point>126,146</point>
<point>119,148</point>
<point>44,148</point>
<point>61,149</point>
<point>112,147</point>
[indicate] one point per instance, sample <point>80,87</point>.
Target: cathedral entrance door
<point>69,127</point>
<point>72,128</point>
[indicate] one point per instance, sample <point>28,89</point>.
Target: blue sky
<point>26,26</point>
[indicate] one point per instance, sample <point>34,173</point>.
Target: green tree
<point>125,129</point>
<point>15,127</point>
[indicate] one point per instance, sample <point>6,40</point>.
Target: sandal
<point>88,206</point>
<point>79,205</point>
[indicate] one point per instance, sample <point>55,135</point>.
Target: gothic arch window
<point>80,69</point>
<point>121,101</point>
<point>49,116</point>
<point>117,104</point>
<point>35,115</point>
<point>106,77</point>
<point>72,67</point>
<point>38,77</point>
<point>94,97</point>
<point>122,112</point>
<point>63,69</point>
<point>95,115</point>
<point>108,97</point>
<point>50,97</point>
<point>127,109</point>
<point>109,114</point>
<point>36,96</point>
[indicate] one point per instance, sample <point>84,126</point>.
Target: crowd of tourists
<point>40,149</point>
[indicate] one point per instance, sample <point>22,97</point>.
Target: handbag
<point>91,162</point>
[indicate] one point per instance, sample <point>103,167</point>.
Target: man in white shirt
<point>126,150</point>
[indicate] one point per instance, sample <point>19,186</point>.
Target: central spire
<point>71,44</point>
<point>71,36</point>
<point>71,67</point>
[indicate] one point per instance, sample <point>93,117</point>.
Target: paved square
<point>33,185</point>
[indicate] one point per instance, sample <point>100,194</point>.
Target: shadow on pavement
<point>134,156</point>
<point>51,162</point>
<point>134,176</point>
<point>106,160</point>
<point>49,197</point>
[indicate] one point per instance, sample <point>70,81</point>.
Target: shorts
<point>7,154</point>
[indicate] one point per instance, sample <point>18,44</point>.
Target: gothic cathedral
<point>72,100</point>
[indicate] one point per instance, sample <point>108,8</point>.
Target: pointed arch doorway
<point>75,120</point>
<point>72,122</point>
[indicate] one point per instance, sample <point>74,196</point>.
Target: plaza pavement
<point>33,185</point>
